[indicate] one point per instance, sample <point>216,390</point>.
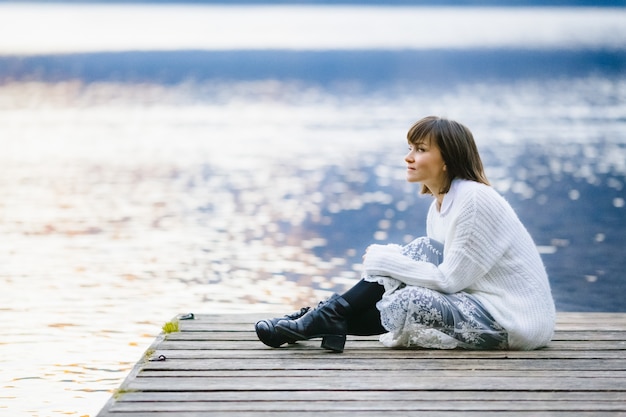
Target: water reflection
<point>117,215</point>
<point>296,193</point>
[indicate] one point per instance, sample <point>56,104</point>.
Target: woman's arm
<point>477,239</point>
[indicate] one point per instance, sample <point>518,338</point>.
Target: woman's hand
<point>377,247</point>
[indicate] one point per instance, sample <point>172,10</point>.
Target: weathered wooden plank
<point>215,366</point>
<point>391,363</point>
<point>374,395</point>
<point>396,373</point>
<point>596,317</point>
<point>375,382</point>
<point>200,325</point>
<point>573,326</point>
<point>359,406</point>
<point>564,320</point>
<point>590,335</point>
<point>375,345</point>
<point>191,326</point>
<point>364,413</point>
<point>312,351</point>
<point>251,336</point>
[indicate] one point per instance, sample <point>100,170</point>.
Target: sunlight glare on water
<point>122,216</point>
<point>109,200</point>
<point>126,203</point>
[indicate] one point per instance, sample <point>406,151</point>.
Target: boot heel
<point>334,342</point>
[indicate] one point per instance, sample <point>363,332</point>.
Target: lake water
<point>222,169</point>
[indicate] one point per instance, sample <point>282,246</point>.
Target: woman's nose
<point>408,157</point>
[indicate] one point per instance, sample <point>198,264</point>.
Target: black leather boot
<point>266,332</point>
<point>327,321</point>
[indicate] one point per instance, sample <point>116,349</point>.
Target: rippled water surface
<point>137,186</point>
<point>116,217</point>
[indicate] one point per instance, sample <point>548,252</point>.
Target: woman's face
<point>425,165</point>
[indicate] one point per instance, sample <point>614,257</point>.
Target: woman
<point>475,282</point>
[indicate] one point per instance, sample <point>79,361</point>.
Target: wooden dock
<point>216,366</point>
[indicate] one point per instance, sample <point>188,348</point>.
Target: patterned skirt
<point>420,317</point>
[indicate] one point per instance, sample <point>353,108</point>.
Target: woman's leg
<point>355,311</point>
<point>363,295</point>
<point>352,313</point>
<point>412,313</point>
<point>366,323</point>
<point>365,317</point>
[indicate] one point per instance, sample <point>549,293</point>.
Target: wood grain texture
<point>216,366</point>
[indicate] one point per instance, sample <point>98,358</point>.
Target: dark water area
<point>582,240</point>
<point>370,69</point>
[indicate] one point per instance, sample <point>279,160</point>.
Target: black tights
<point>365,317</point>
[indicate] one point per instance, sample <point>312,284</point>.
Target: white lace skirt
<point>421,317</point>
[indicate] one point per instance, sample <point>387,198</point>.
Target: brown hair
<point>457,146</point>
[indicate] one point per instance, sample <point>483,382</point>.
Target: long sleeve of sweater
<point>475,241</point>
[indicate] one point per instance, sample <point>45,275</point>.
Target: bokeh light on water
<point>117,216</point>
<point>130,197</point>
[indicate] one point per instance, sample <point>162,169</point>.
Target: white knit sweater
<point>489,254</point>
